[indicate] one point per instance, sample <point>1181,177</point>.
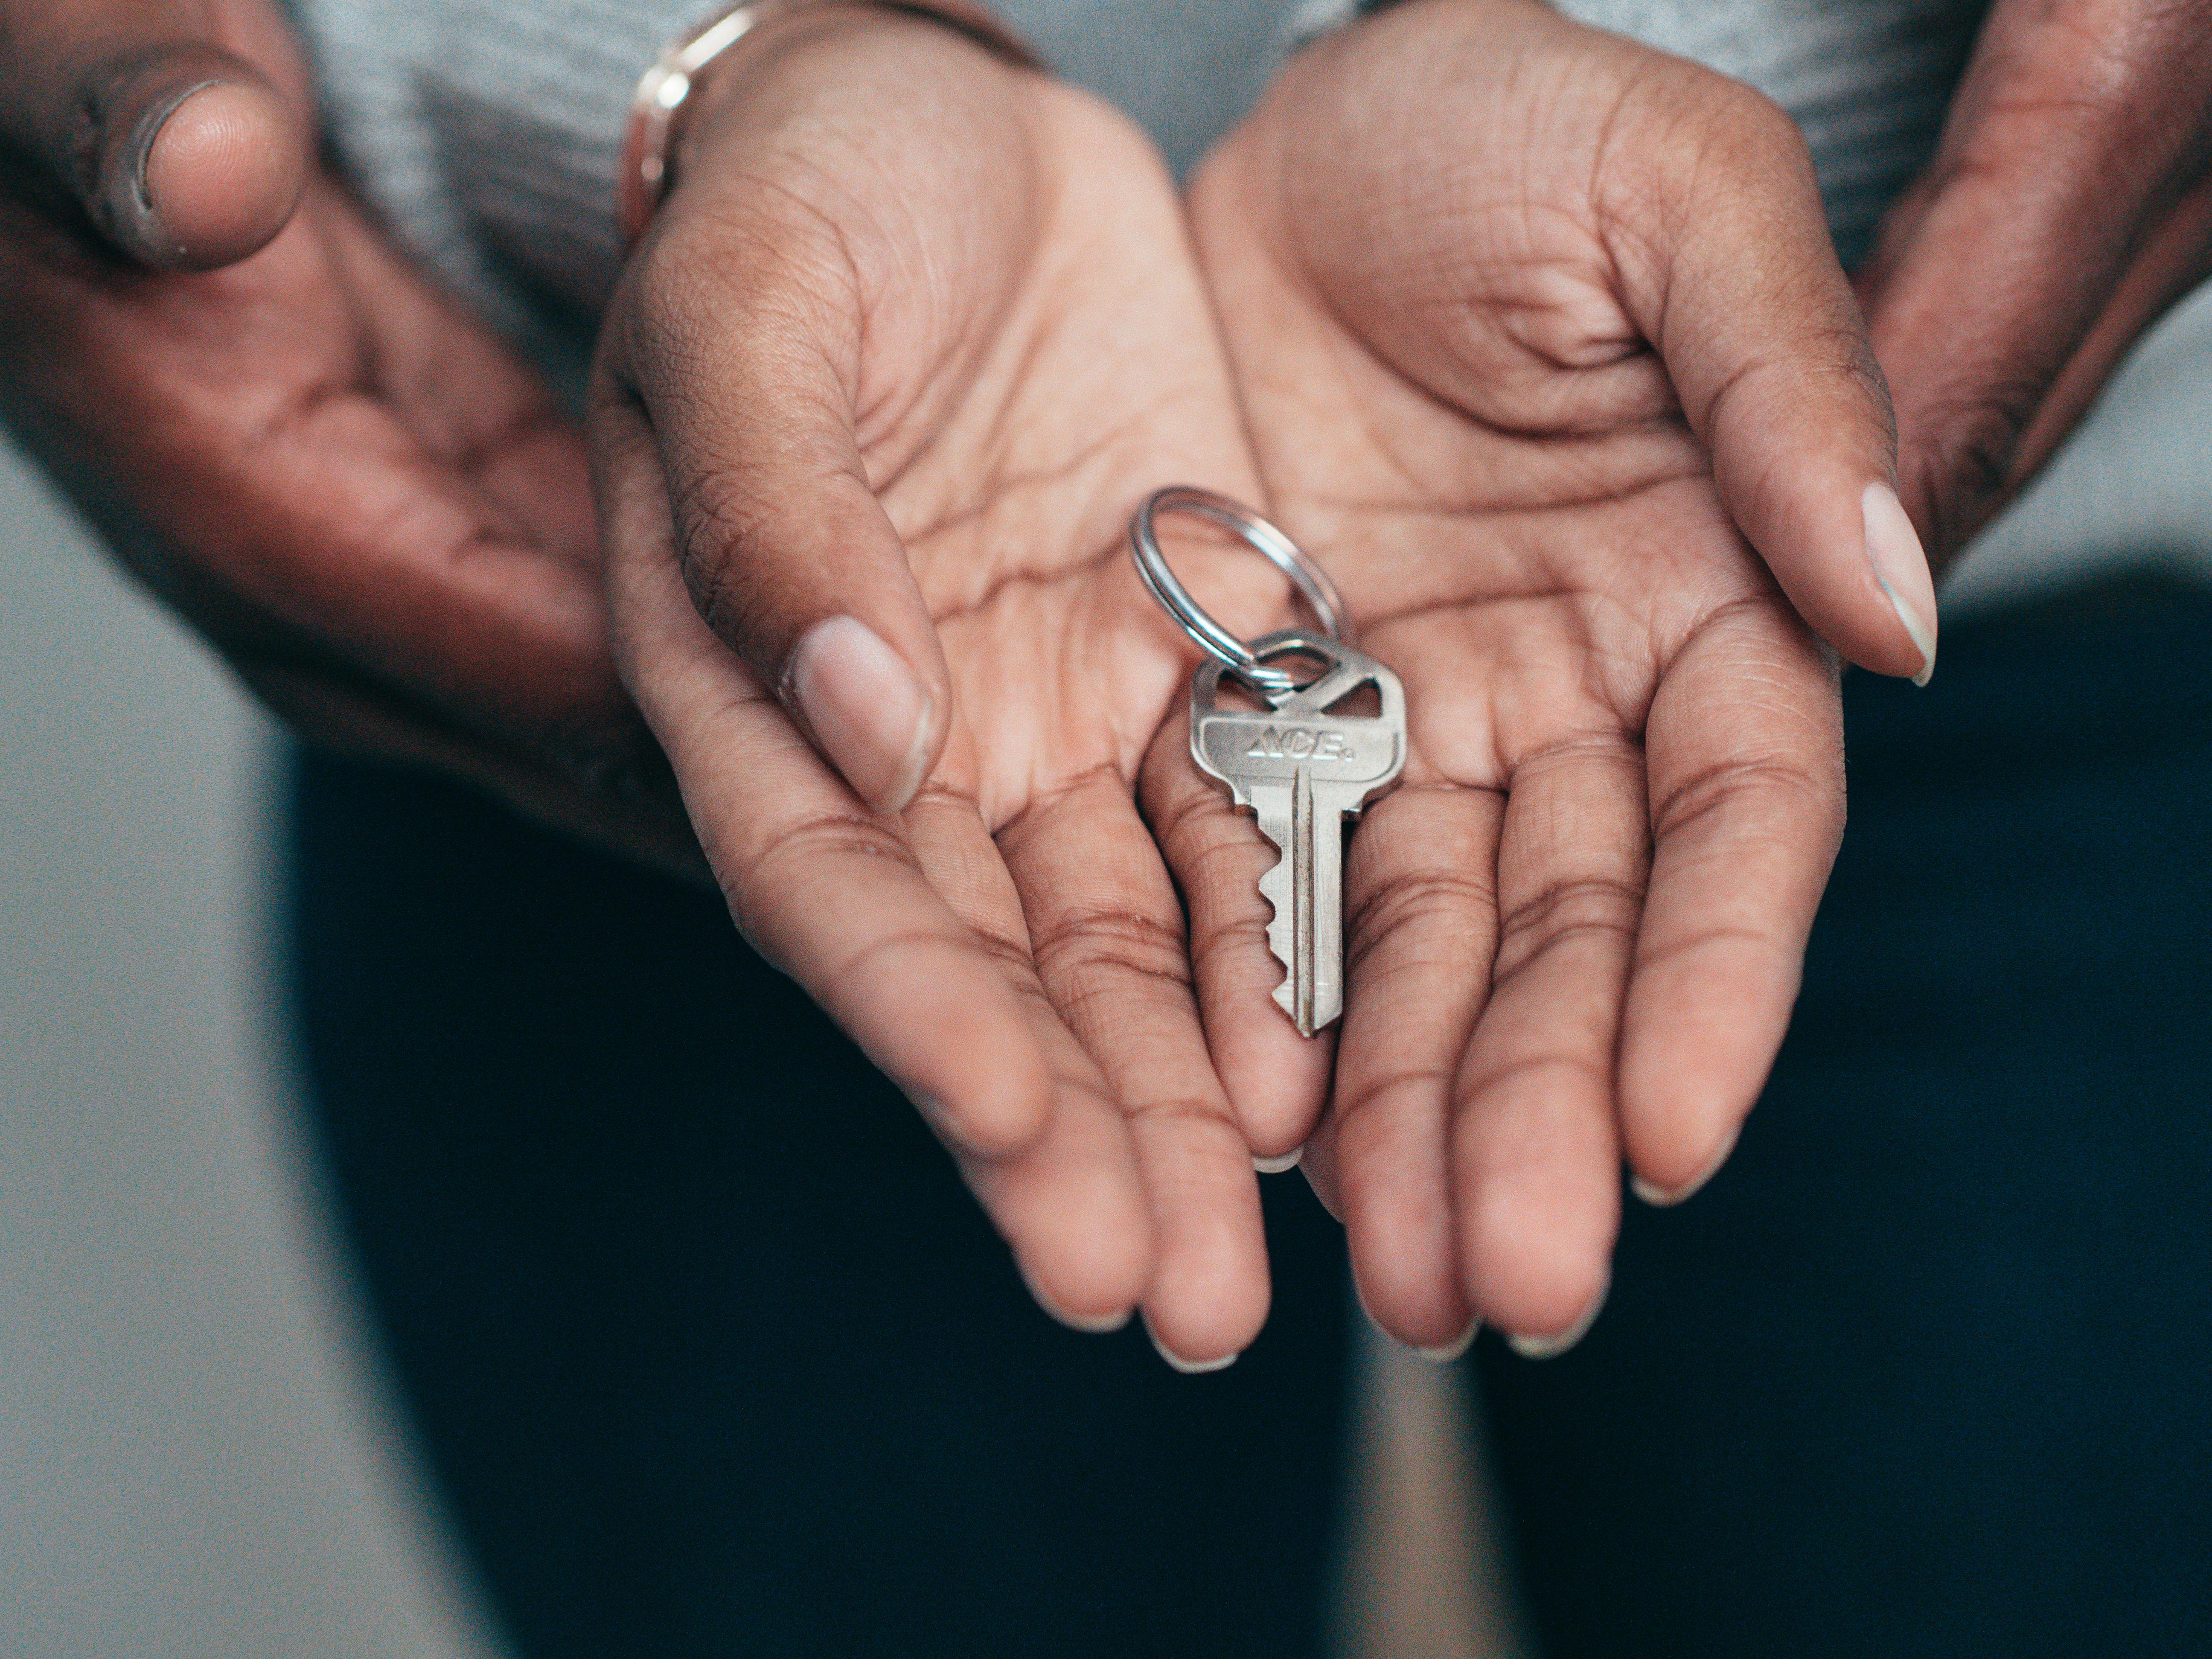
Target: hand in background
<point>324,466</point>
<point>912,335</point>
<point>1547,357</point>
<point>2069,205</point>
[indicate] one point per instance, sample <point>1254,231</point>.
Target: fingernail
<point>1277,1165</point>
<point>1090,1325</point>
<point>865,710</point>
<point>1900,565</point>
<point>1453,1349</point>
<point>1188,1367</point>
<point>1664,1197</point>
<point>124,207</point>
<point>1094,1325</point>
<point>1550,1347</point>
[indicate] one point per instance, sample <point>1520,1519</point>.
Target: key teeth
<point>1275,887</point>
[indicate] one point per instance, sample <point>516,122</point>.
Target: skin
<point>2068,207</point>
<point>330,470</point>
<point>858,365</point>
<point>1483,275</point>
<point>913,331</point>
<point>347,485</point>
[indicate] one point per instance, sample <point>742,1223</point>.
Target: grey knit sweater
<point>488,129</point>
<point>487,132</point>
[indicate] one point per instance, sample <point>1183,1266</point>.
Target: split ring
<point>1263,539</point>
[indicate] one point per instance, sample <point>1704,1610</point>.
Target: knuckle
<point>825,844</point>
<point>1726,786</point>
<point>1367,1101</point>
<point>1970,452</point>
<point>1119,943</point>
<point>716,534</point>
<point>1602,909</point>
<point>1572,1072</point>
<point>1455,899</point>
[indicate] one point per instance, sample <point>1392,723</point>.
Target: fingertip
<point>1086,1266</point>
<point>1550,1343</point>
<point>1537,1263</point>
<point>1277,1081</point>
<point>1663,1190</point>
<point>1179,1362</point>
<point>1420,1309</point>
<point>1210,1292</point>
<point>219,175</point>
<point>1099,1324</point>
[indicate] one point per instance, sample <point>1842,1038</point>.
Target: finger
<point>826,889</point>
<point>786,550</point>
<point>1073,1204</point>
<point>2058,168</point>
<point>1108,938</point>
<point>2176,257</point>
<point>1277,1081</point>
<point>1421,924</point>
<point>1735,280</point>
<point>634,813</point>
<point>182,154</point>
<point>1536,1151</point>
<point>434,541</point>
<point>1744,748</point>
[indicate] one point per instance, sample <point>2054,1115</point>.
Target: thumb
<point>1742,295</point>
<point>181,154</point>
<point>787,552</point>
<point>2065,210</point>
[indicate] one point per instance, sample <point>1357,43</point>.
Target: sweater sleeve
<point>486,132</point>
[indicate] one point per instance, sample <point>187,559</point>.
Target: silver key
<point>1302,771</point>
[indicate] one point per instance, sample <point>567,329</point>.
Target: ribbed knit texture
<point>486,131</point>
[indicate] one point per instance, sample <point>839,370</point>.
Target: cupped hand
<point>342,480</point>
<point>913,333</point>
<point>2068,206</point>
<point>1547,357</point>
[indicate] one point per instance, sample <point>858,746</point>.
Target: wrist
<point>699,69</point>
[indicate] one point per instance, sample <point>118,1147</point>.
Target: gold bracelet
<point>647,171</point>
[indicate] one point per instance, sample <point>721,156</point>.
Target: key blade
<point>1306,888</point>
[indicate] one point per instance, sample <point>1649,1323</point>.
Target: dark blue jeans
<point>715,1356</point>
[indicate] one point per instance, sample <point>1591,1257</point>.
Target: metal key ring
<point>1262,537</point>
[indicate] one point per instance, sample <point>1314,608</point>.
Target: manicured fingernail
<point>1900,565</point>
<point>1277,1165</point>
<point>1188,1367</point>
<point>1453,1349</point>
<point>1550,1347</point>
<point>866,708</point>
<point>1664,1197</point>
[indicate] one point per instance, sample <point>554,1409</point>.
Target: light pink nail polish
<point>865,710</point>
<point>1900,565</point>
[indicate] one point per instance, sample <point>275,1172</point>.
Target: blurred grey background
<point>199,1454</point>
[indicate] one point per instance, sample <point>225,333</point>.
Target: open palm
<point>912,335</point>
<point>1539,336</point>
